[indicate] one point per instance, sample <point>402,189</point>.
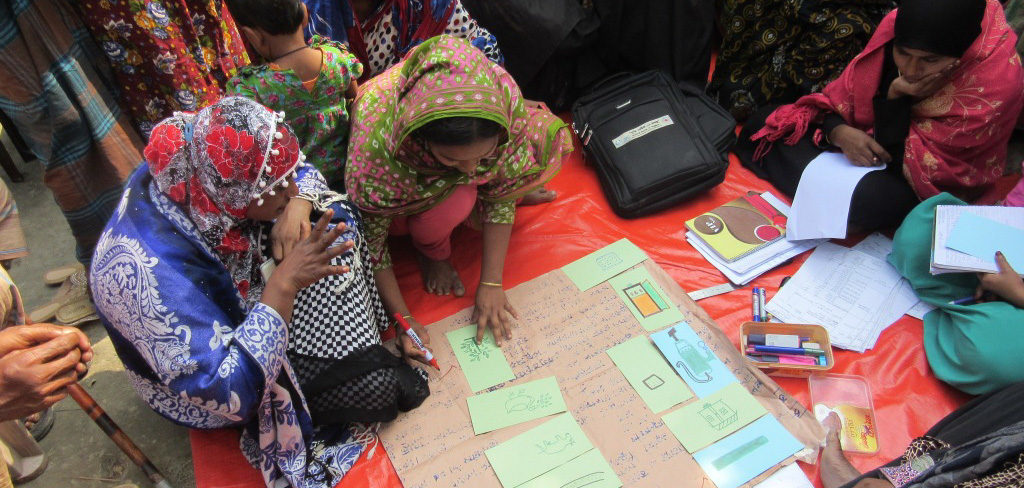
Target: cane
<point>109,427</point>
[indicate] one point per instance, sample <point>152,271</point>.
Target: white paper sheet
<point>919,310</point>
<point>852,294</point>
<point>821,205</point>
<point>744,277</point>
<point>876,245</point>
<point>788,476</point>
<point>879,246</point>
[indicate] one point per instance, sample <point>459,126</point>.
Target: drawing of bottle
<point>696,364</point>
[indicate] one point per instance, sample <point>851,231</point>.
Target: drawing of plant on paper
<point>556,445</point>
<point>519,401</point>
<point>473,351</point>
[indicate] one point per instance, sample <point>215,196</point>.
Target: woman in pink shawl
<point>934,95</point>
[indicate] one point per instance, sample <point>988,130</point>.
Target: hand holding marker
<point>416,339</point>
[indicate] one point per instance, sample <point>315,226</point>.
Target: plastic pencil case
<point>816,333</point>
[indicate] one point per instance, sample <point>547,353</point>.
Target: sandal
<point>77,312</point>
<point>74,288</point>
<point>60,274</point>
<point>42,425</point>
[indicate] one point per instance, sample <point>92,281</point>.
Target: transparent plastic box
<point>850,397</point>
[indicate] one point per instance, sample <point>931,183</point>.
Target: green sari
<point>976,348</point>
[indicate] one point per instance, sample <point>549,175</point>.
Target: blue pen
<point>753,305</point>
<point>787,350</point>
<point>964,301</point>
<point>761,305</point>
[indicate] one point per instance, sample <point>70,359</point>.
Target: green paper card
<point>596,267</point>
<point>590,470</point>
<point>515,404</point>
<point>703,423</point>
<point>645,300</point>
<point>538,450</point>
<point>484,365</point>
<point>648,373</point>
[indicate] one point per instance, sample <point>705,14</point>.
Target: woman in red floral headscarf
<point>213,334</point>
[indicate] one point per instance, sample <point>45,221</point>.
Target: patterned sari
<point>53,88</point>
<point>958,136</point>
<point>774,51</point>
<point>395,27</point>
<point>391,174</point>
<point>167,55</point>
<point>176,282</point>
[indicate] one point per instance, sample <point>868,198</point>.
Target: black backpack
<point>654,142</point>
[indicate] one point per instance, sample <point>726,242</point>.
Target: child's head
<point>261,19</point>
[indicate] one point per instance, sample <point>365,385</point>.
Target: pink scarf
<point>958,136</point>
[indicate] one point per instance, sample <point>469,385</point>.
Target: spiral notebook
<point>740,227</point>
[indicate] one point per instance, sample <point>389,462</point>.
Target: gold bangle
<point>407,316</point>
<point>488,283</point>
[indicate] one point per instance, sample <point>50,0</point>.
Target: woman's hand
<point>310,259</point>
<point>873,483</point>
<point>290,228</point>
<point>859,147</point>
<point>536,104</point>
<point>410,351</point>
<point>493,311</point>
<point>1006,283</point>
<point>923,88</point>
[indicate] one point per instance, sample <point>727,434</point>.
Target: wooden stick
<point>109,427</point>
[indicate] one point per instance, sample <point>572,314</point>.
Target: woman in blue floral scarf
<point>212,334</point>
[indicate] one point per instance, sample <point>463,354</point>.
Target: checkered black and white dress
<point>334,344</point>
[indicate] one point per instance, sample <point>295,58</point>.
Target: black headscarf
<point>946,27</point>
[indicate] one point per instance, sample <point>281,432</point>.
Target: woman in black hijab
<point>934,95</point>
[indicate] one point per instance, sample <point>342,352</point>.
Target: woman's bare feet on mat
<point>538,196</point>
<point>836,470</point>
<point>440,277</point>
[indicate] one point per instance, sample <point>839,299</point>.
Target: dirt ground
<point>80,454</point>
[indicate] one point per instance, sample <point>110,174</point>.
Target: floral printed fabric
<point>214,164</point>
<point>196,351</point>
<point>390,173</point>
<point>168,55</point>
<point>774,51</point>
<point>396,27</point>
<point>319,116</point>
<point>958,136</point>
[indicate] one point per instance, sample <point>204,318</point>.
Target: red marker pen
<point>415,339</point>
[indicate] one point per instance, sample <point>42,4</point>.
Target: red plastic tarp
<point>908,398</point>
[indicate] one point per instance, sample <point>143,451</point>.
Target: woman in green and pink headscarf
<point>433,137</point>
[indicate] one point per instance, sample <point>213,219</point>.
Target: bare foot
<point>538,196</point>
<point>440,277</point>
<point>836,470</point>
